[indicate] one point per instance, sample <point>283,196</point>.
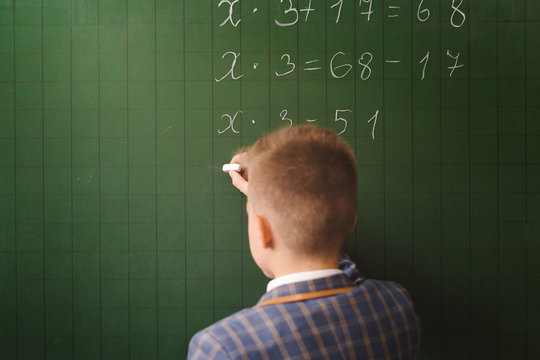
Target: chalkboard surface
<point>120,237</point>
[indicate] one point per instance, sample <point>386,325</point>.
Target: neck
<point>291,263</point>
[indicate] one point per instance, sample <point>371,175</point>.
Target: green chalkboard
<point>120,237</point>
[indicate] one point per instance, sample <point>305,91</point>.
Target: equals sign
<point>312,68</point>
<point>393,15</point>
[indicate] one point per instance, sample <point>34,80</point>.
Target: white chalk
<point>231,167</point>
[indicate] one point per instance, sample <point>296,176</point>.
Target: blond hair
<point>304,180</point>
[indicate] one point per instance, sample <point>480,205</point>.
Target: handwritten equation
<point>293,14</point>
<point>340,118</point>
<point>338,69</point>
<point>339,65</point>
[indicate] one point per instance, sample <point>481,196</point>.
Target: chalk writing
<point>291,14</point>
<point>366,70</point>
<point>458,17</point>
<point>340,64</point>
<point>309,62</point>
<point>374,119</point>
<point>334,68</point>
<point>232,119</point>
<point>231,10</point>
<point>393,15</point>
<point>340,70</point>
<point>233,64</point>
<point>422,14</point>
<point>289,63</point>
<point>283,115</point>
<point>369,8</point>
<point>456,59</point>
<point>340,5</point>
<point>424,60</point>
<point>307,10</point>
<point>291,9</point>
<point>338,118</point>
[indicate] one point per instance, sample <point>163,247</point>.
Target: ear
<point>265,231</point>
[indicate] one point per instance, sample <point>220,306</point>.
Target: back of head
<point>304,181</point>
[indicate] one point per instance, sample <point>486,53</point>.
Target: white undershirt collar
<point>301,276</point>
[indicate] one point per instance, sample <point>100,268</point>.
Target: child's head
<point>303,180</point>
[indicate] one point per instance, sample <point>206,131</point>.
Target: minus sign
<point>392,61</point>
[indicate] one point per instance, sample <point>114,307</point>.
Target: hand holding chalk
<point>238,175</point>
<point>231,167</point>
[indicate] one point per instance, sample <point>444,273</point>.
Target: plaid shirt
<point>374,321</point>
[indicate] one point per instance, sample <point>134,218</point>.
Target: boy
<point>301,189</point>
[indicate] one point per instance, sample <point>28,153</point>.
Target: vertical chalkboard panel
<point>120,237</point>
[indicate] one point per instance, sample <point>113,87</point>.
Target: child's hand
<point>239,179</point>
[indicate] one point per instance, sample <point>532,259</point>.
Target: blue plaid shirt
<point>374,321</point>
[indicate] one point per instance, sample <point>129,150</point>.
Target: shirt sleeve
<point>349,267</point>
<point>205,346</point>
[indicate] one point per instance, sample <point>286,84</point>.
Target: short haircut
<point>304,180</point>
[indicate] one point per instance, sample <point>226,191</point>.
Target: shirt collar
<point>301,276</point>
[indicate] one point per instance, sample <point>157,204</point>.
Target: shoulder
<point>385,288</point>
<point>204,345</point>
<point>388,292</point>
<point>388,299</point>
<point>226,338</point>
